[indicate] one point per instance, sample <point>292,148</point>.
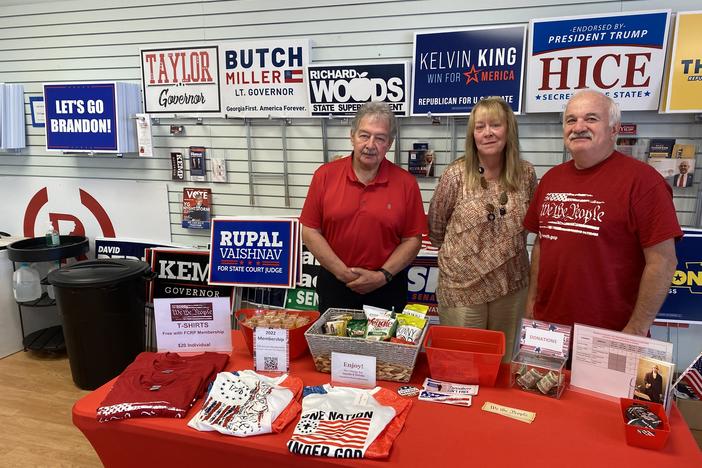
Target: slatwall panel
<point>100,40</point>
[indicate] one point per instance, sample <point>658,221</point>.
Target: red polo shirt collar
<point>380,178</point>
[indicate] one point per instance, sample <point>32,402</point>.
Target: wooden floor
<point>36,397</point>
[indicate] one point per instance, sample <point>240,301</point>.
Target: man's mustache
<point>585,134</point>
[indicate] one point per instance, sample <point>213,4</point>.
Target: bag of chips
<point>409,329</point>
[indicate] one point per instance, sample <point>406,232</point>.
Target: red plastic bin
<point>464,355</point>
<point>641,436</point>
<point>297,343</point>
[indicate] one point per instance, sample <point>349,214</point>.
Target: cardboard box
<point>692,412</point>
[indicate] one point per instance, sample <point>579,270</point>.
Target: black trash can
<point>102,306</point>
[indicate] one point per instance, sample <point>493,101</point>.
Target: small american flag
<point>293,76</point>
<point>692,378</point>
<point>348,434</point>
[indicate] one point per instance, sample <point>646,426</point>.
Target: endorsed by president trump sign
<point>254,252</point>
<point>621,55</point>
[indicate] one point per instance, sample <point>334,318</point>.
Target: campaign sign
<point>422,280</point>
<point>341,89</point>
<point>183,273</point>
<point>621,55</point>
<point>305,297</point>
<point>181,80</point>
<point>253,252</point>
<point>684,301</point>
<point>453,70</point>
<point>123,248</point>
<point>685,75</point>
<point>81,117</point>
<point>264,78</point>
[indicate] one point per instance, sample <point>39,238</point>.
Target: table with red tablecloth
<point>577,430</point>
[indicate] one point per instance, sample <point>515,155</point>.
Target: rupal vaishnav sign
<point>621,55</point>
<point>254,252</point>
<point>81,117</point>
<point>454,70</point>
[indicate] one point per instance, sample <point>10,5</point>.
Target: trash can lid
<point>96,273</point>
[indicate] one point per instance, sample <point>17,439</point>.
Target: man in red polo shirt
<point>363,219</point>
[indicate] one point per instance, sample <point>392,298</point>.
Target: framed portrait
<point>653,378</point>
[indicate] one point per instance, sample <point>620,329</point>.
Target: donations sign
<point>453,70</point>
<point>183,80</point>
<point>685,81</point>
<point>254,252</point>
<point>684,301</point>
<point>264,78</point>
<point>621,55</point>
<point>81,117</point>
<point>341,89</point>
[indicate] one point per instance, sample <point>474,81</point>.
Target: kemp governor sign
<point>340,89</point>
<point>622,55</point>
<point>453,70</point>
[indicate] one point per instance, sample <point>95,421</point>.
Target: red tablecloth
<point>577,430</point>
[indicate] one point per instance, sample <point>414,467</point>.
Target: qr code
<point>270,363</point>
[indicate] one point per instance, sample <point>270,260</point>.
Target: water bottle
<point>52,236</point>
<point>50,289</point>
<point>25,283</point>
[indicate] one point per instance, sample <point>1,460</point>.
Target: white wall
<point>82,40</point>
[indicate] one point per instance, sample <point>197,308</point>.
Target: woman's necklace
<point>501,200</point>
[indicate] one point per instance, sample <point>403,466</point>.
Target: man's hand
<point>347,275</point>
<point>366,281</point>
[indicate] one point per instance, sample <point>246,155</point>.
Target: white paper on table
<point>353,369</point>
<point>605,361</point>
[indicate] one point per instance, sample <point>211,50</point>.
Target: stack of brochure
<point>12,116</point>
<point>449,393</point>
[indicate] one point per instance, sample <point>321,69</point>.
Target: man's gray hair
<point>377,110</point>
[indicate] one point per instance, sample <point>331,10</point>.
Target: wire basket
<point>394,361</point>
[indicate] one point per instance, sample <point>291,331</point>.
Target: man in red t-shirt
<point>363,219</point>
<point>605,254</point>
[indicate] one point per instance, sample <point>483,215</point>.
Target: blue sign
<point>684,302</point>
<point>617,30</point>
<point>81,117</point>
<point>253,252</point>
<point>453,70</point>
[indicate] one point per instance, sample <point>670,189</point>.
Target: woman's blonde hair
<point>510,177</point>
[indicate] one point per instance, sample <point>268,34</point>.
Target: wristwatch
<point>388,275</point>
